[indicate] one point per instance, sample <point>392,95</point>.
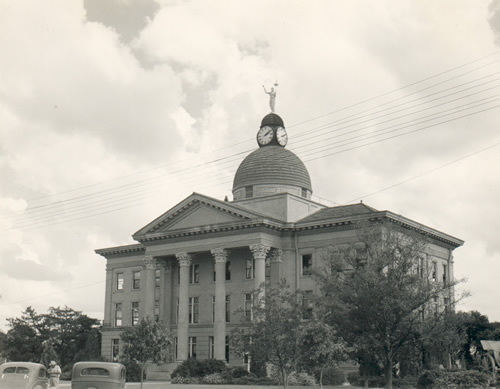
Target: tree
<point>321,347</point>
<point>474,327</point>
<point>146,342</point>
<point>277,333</point>
<point>65,329</point>
<point>377,294</point>
<point>69,331</point>
<point>48,354</point>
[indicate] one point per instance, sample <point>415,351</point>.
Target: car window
<point>11,369</point>
<point>42,373</point>
<point>123,374</point>
<point>22,370</point>
<point>95,371</point>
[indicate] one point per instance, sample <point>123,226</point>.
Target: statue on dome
<point>272,95</point>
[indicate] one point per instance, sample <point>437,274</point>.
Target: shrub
<point>302,379</point>
<point>465,379</point>
<point>133,371</point>
<point>185,380</point>
<point>238,372</point>
<point>331,376</point>
<point>196,368</point>
<point>215,378</point>
<point>462,379</point>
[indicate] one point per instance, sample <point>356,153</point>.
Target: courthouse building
<point>195,266</point>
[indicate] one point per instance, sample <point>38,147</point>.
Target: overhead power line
<point>132,194</point>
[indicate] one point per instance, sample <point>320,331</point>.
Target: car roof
<point>109,365</point>
<point>21,364</point>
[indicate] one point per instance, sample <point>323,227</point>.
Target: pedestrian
<point>54,372</point>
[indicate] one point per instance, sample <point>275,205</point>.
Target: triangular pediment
<point>196,211</point>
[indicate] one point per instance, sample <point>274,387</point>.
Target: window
<point>42,373</point>
<point>136,280</point>
<point>135,313</point>
<point>157,311</point>
<point>248,192</point>
<point>306,305</point>
<point>119,281</point>
<point>434,271</point>
<point>95,371</point>
<point>157,278</point>
<point>420,267</point>
<point>192,347</point>
<point>268,267</point>
<point>213,309</point>
<point>194,274</point>
<point>9,370</point>
<point>445,271</point>
<point>175,347</point>
<point>248,307</point>
<point>115,349</point>
<point>193,309</point>
<point>118,314</point>
<point>307,264</point>
<point>211,347</point>
<point>227,348</point>
<point>22,370</point>
<point>228,309</point>
<point>304,192</point>
<point>250,269</point>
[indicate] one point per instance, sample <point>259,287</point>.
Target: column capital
<point>259,250</point>
<point>184,259</point>
<point>220,255</point>
<point>276,255</point>
<point>149,262</point>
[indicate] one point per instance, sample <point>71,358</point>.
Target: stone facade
<point>194,267</point>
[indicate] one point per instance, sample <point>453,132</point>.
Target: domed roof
<point>272,120</point>
<point>272,165</point>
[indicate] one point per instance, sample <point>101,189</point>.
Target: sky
<point>113,111</point>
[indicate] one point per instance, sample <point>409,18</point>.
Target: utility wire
<point>344,108</point>
<point>423,174</point>
<point>218,161</point>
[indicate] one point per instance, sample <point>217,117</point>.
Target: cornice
<point>189,203</point>
<point>132,249</point>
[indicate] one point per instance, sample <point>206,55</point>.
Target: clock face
<point>281,136</point>
<point>265,135</point>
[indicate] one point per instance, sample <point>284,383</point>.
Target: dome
<point>272,165</point>
<point>272,120</point>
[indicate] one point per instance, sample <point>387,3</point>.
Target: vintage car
<point>23,375</point>
<point>98,375</point>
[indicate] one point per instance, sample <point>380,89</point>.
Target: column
<point>276,260</point>
<point>259,252</point>
<point>148,287</point>
<point>108,303</point>
<point>184,260</point>
<point>220,257</point>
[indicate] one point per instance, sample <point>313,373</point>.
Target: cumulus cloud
<point>110,113</point>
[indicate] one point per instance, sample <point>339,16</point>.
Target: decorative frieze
<point>184,259</point>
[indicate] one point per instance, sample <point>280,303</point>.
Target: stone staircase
<point>160,372</point>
